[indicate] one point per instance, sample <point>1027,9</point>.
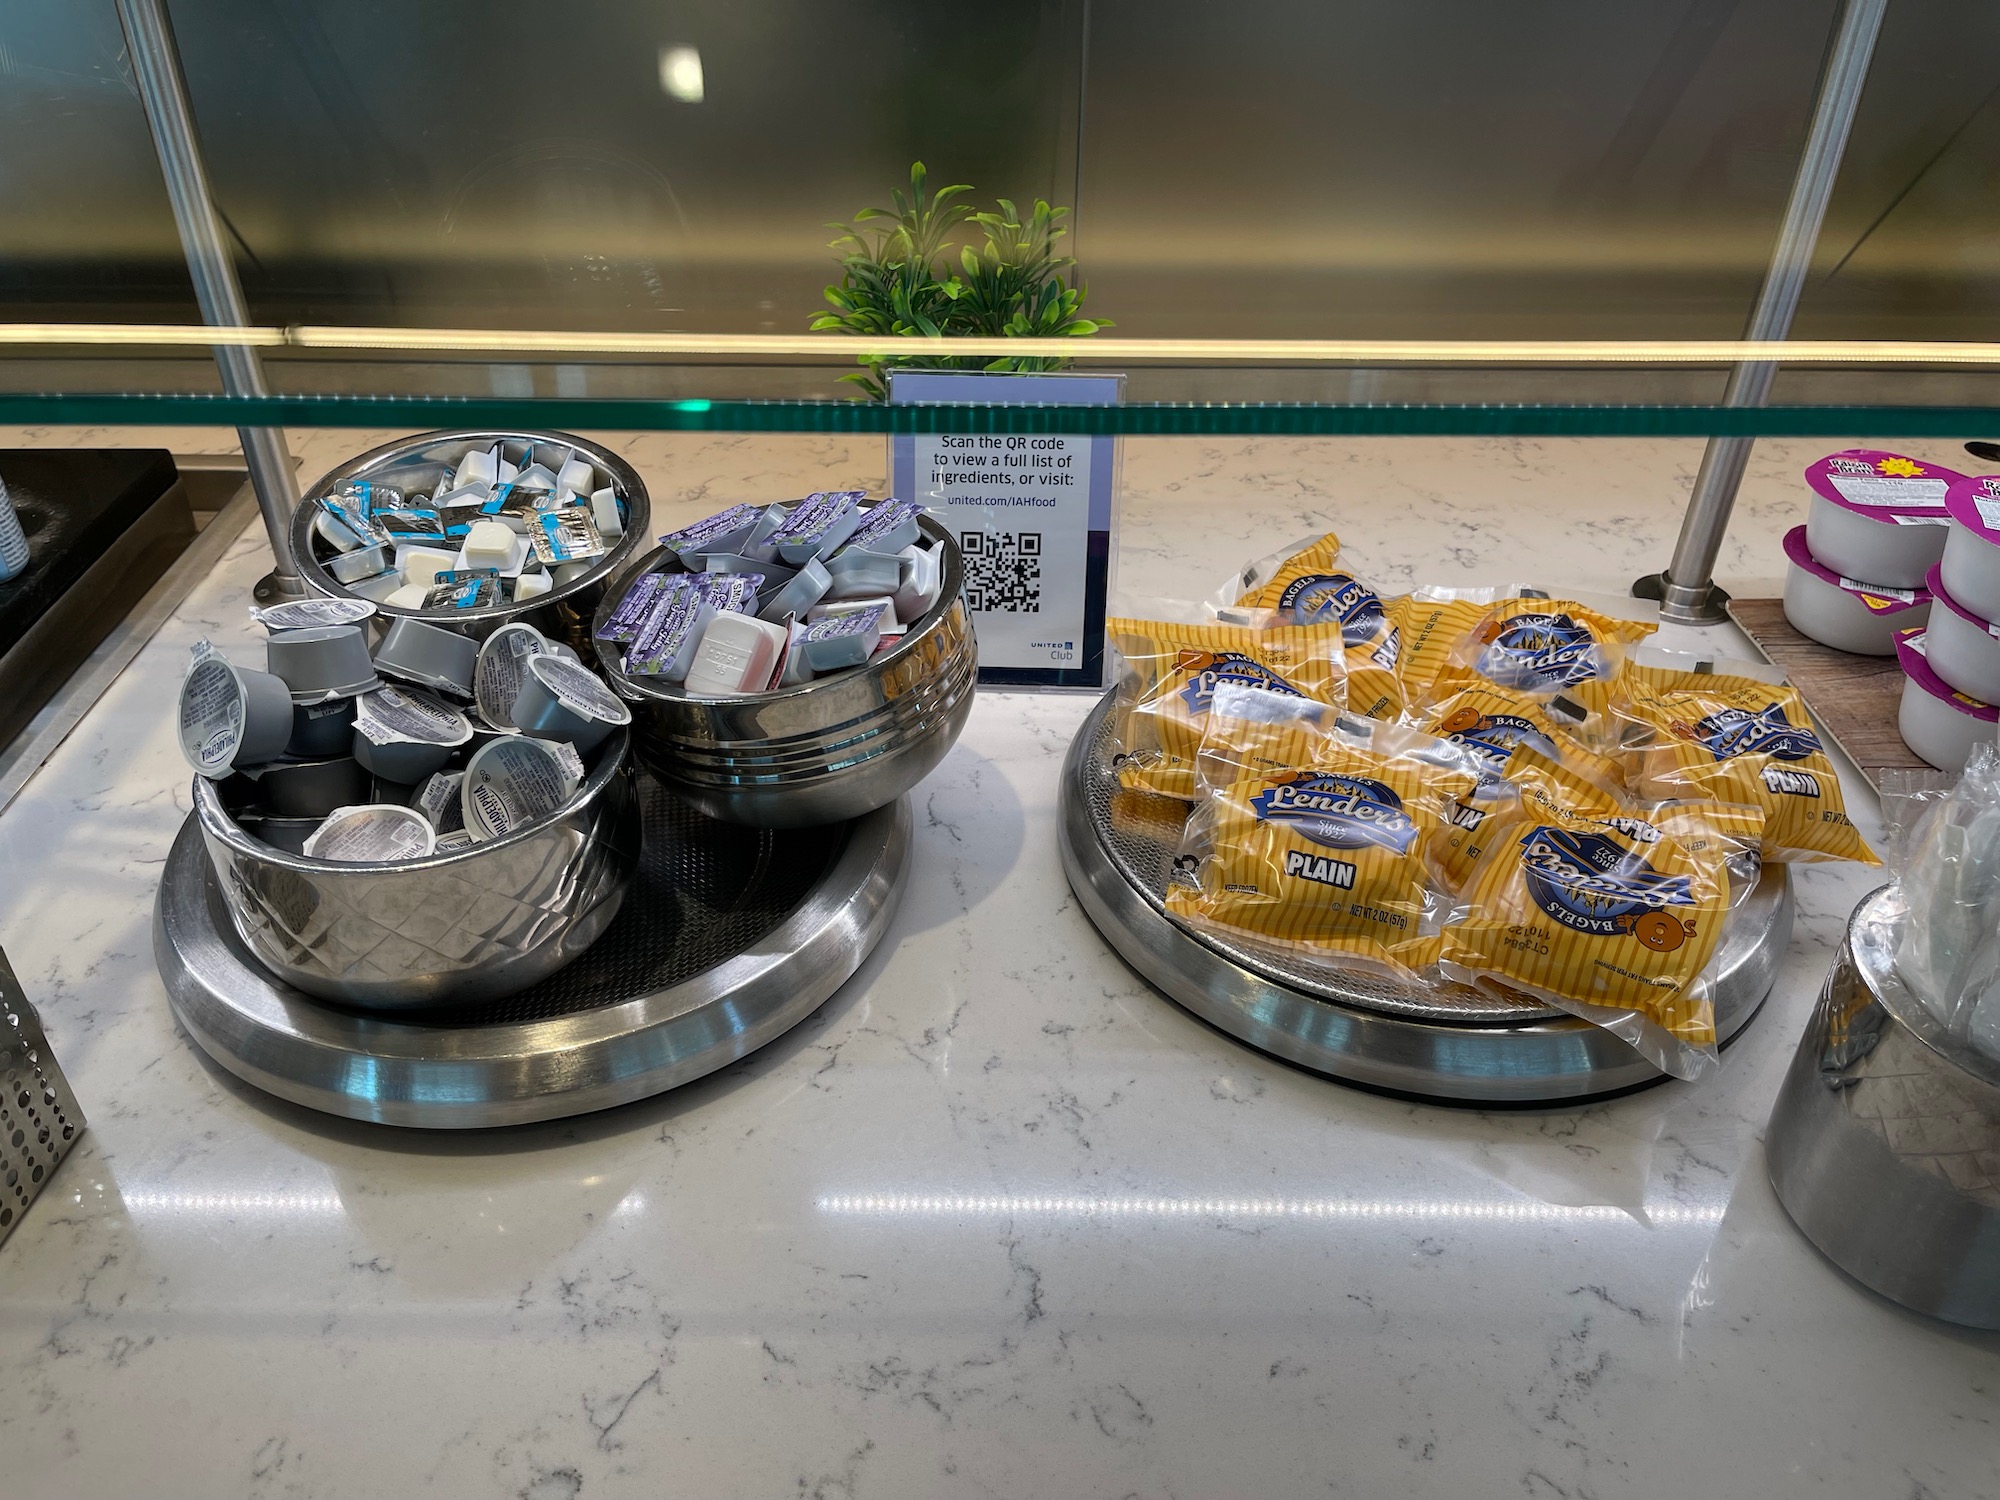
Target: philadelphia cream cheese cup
<point>304,614</point>
<point>428,656</point>
<point>1971,563</point>
<point>404,736</point>
<point>374,833</point>
<point>287,834</point>
<point>320,729</point>
<point>562,699</point>
<point>512,783</point>
<point>1963,648</point>
<point>1879,516</point>
<point>231,717</point>
<point>308,788</point>
<point>1939,724</point>
<point>320,662</point>
<point>1845,613</point>
<point>501,669</point>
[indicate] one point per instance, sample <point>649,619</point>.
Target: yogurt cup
<point>1970,566</point>
<point>1941,725</point>
<point>428,656</point>
<point>373,833</point>
<point>511,783</point>
<point>1963,647</point>
<point>1845,613</point>
<point>564,700</point>
<point>231,717</point>
<point>321,729</point>
<point>1877,515</point>
<point>321,662</point>
<point>502,667</point>
<point>309,788</point>
<point>404,736</point>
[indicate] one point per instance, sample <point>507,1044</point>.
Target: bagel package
<point>1310,588</point>
<point>1318,833</point>
<point>1529,643</point>
<point>1172,672</point>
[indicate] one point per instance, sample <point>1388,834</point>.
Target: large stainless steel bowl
<point>824,751</point>
<point>416,464</point>
<point>451,929</point>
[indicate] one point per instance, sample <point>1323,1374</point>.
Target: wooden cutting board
<point>1854,698</point>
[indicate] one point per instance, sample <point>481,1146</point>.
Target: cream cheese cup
<point>438,800</point>
<point>319,662</point>
<point>428,656</point>
<point>1970,566</point>
<point>308,788</point>
<point>372,834</point>
<point>501,669</point>
<point>229,716</point>
<point>321,729</point>
<point>1963,648</point>
<point>304,614</point>
<point>512,783</point>
<point>1879,516</point>
<point>1845,613</point>
<point>562,699</point>
<point>1941,725</point>
<point>404,736</point>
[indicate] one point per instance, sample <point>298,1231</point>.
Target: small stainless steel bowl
<point>458,928</point>
<point>417,464</point>
<point>821,752</point>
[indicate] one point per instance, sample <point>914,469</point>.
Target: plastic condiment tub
<point>404,736</point>
<point>1963,647</point>
<point>319,662</point>
<point>1940,724</point>
<point>428,656</point>
<point>1879,516</point>
<point>229,716</point>
<point>511,783</point>
<point>502,667</point>
<point>562,699</point>
<point>1970,566</point>
<point>1845,613</point>
<point>374,833</point>
<point>320,729</point>
<point>309,788</point>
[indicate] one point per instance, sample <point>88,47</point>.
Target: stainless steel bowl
<point>824,751</point>
<point>451,929</point>
<point>416,464</point>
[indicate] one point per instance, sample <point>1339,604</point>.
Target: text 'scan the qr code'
<point>1003,571</point>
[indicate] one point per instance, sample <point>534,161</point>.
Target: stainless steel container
<point>39,1117</point>
<point>416,465</point>
<point>449,929</point>
<point>1884,1146</point>
<point>821,752</point>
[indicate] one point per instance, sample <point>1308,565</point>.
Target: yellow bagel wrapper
<point>1373,692</point>
<point>1721,738</point>
<point>1172,672</point>
<point>1531,645</point>
<point>1593,906</point>
<point>1311,588</point>
<point>1318,839</point>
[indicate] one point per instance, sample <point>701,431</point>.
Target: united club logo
<point>1594,885</point>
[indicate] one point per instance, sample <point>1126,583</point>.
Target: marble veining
<point>998,1219</point>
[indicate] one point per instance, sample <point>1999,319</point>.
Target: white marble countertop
<point>998,1219</point>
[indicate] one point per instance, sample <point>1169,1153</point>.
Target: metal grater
<point>39,1119</point>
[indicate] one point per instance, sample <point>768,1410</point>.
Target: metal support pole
<point>1687,591</point>
<point>156,67</point>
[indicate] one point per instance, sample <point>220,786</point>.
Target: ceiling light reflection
<point>230,1205</point>
<point>1420,1210</point>
<point>680,74</point>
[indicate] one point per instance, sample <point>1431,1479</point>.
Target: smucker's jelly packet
<point>1172,671</point>
<point>1533,643</point>
<point>1314,833</point>
<point>1589,905</point>
<point>1310,589</point>
<point>1720,737</point>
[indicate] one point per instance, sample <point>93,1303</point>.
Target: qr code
<point>1003,571</point>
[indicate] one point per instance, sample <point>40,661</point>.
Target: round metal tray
<point>1442,1042</point>
<point>728,937</point>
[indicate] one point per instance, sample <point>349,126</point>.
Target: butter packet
<point>1531,643</point>
<point>1310,589</point>
<point>1601,910</point>
<point>1315,832</point>
<point>1721,737</point>
<point>1171,673</point>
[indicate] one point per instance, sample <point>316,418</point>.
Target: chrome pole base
<point>1436,1042</point>
<point>1681,605</point>
<point>728,938</point>
<point>275,588</point>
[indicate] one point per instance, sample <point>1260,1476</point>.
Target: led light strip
<point>1524,1211</point>
<point>1188,351</point>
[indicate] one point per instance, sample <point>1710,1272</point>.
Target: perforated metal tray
<point>39,1118</point>
<point>728,937</point>
<point>1443,1041</point>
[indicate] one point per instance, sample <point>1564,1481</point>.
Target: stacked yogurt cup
<point>424,743</point>
<point>1858,567</point>
<point>1952,668</point>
